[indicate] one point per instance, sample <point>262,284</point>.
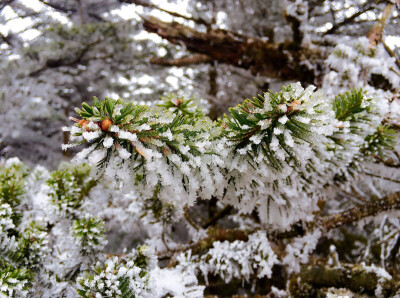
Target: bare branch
<point>258,55</point>
<point>382,177</point>
<point>81,12</point>
<point>376,32</point>
<point>189,219</point>
<point>350,19</point>
<point>184,61</point>
<point>223,212</point>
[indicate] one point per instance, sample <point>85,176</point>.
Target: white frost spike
<point>114,128</point>
<point>108,142</point>
<point>283,119</point>
<point>91,135</point>
<point>96,156</point>
<point>126,135</point>
<point>123,153</point>
<point>67,146</point>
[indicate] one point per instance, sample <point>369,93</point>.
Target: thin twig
<point>189,219</point>
<point>391,54</point>
<point>349,19</point>
<point>388,162</point>
<point>164,241</point>
<point>218,216</point>
<point>381,177</point>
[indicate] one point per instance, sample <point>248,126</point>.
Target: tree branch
<point>354,277</point>
<point>355,214</point>
<point>387,162</point>
<point>376,32</point>
<point>184,61</point>
<point>391,53</point>
<point>259,56</point>
<point>189,219</point>
<point>382,177</point>
<point>326,223</point>
<point>218,216</point>
<point>350,19</point>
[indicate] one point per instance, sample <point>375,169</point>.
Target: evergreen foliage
<point>291,193</point>
<point>89,233</point>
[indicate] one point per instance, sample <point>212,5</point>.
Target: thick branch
<point>354,277</point>
<point>229,235</point>
<point>184,61</point>
<point>260,56</point>
<point>376,32</point>
<point>327,223</point>
<point>355,214</point>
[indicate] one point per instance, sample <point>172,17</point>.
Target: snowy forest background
<point>55,55</point>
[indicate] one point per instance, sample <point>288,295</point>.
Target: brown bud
<point>179,102</point>
<point>84,123</point>
<point>105,124</point>
<point>293,105</point>
<point>166,151</point>
<point>282,108</point>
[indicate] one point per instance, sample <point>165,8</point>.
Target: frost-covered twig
<point>326,223</point>
<point>355,214</point>
<point>358,278</point>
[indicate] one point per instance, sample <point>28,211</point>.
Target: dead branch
<point>184,61</point>
<point>260,56</point>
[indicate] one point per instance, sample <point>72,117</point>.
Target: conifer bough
<point>272,153</point>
